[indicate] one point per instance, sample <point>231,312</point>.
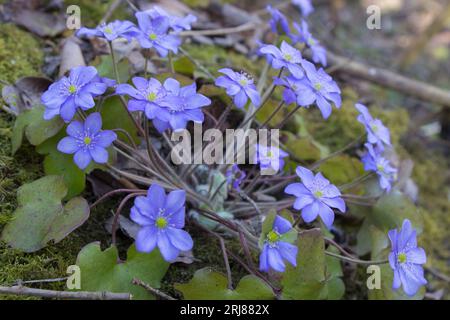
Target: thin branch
<point>332,254</point>
<point>78,295</point>
<point>152,290</point>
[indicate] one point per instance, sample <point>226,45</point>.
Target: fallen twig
<point>152,290</point>
<point>389,79</point>
<point>77,295</point>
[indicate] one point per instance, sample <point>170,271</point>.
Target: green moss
<point>20,53</point>
<point>341,127</point>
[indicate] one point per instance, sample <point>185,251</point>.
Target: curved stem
<point>348,259</point>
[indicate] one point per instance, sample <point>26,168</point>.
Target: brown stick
<point>389,79</point>
<point>152,290</point>
<point>78,295</point>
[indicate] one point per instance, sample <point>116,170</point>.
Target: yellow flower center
<point>87,140</point>
<point>161,222</point>
<point>72,88</point>
<point>153,36</point>
<point>108,30</point>
<point>287,57</point>
<point>318,194</point>
<point>318,86</point>
<point>243,82</point>
<point>273,236</point>
<point>151,96</point>
<point>311,42</point>
<point>380,168</point>
<point>374,128</point>
<point>401,258</point>
<point>269,154</point>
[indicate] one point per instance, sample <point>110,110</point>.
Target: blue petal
<point>146,239</point>
<point>82,158</point>
<point>93,123</point>
<point>99,154</point>
<point>281,225</point>
<point>180,239</point>
<point>175,200</point>
<point>275,260</point>
<point>68,145</point>
<point>289,252</point>
<point>310,212</point>
<point>167,249</point>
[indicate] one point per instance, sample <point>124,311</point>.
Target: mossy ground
<point>21,55</point>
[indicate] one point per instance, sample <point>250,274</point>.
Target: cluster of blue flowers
<point>171,106</point>
<point>378,137</point>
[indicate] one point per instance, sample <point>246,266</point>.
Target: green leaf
<point>209,285</point>
<point>115,116</point>
<point>102,271</point>
<point>184,66</point>
<point>391,209</point>
<point>36,129</point>
<point>41,217</point>
<point>307,279</point>
<point>105,68</point>
<point>304,148</point>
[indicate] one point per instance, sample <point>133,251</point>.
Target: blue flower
<point>269,158</point>
<point>75,91</point>
<point>305,6</point>
<point>110,31</point>
<point>161,218</point>
<point>176,23</point>
<point>182,104</point>
<point>87,141</point>
<point>406,259</point>
<point>147,96</point>
<point>374,161</point>
<point>275,249</point>
<point>278,19</point>
<point>316,196</point>
<point>319,54</point>
<point>320,88</point>
<point>294,89</point>
<point>235,176</point>
<point>240,86</point>
<point>154,33</point>
<point>286,57</point>
<point>377,133</point>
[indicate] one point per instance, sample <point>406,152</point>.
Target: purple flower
<point>286,57</point>
<point>161,218</point>
<point>377,133</point>
<point>235,176</point>
<point>181,105</point>
<point>316,196</point>
<point>87,141</point>
<point>305,6</point>
<point>278,19</point>
<point>319,54</point>
<point>240,86</point>
<point>154,33</point>
<point>374,161</point>
<point>320,88</point>
<point>406,259</point>
<point>176,23</point>
<point>275,249</point>
<point>293,90</point>
<point>110,31</point>
<point>269,158</point>
<point>147,95</point>
<point>68,93</point>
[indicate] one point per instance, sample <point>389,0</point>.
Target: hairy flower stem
<point>278,108</point>
<point>170,61</point>
<point>118,211</point>
<point>286,119</point>
<point>122,100</point>
<point>112,193</point>
<point>316,164</point>
<point>358,261</point>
